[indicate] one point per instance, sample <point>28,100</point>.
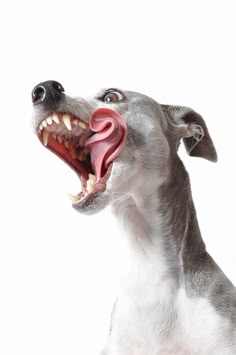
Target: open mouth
<point>88,148</point>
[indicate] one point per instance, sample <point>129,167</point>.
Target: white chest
<point>169,323</point>
<point>153,314</point>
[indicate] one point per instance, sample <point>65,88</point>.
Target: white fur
<point>153,314</point>
<point>141,328</point>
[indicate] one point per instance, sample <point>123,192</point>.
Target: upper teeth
<point>49,120</point>
<point>45,138</point>
<point>66,119</point>
<point>56,127</point>
<point>82,124</point>
<point>55,118</point>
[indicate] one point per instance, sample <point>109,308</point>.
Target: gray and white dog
<point>174,299</point>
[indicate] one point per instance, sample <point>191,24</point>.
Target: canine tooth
<point>49,120</point>
<point>55,118</point>
<point>92,179</point>
<point>90,183</point>
<point>66,120</point>
<point>82,125</point>
<point>45,138</point>
<point>89,186</point>
<point>44,123</point>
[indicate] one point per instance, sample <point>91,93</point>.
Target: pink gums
<point>107,142</point>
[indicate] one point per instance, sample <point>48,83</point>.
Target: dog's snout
<point>47,92</point>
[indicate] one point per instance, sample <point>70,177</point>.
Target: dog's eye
<point>113,96</point>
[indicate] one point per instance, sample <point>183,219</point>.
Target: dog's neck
<point>162,226</point>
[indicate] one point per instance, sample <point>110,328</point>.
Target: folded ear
<point>190,126</point>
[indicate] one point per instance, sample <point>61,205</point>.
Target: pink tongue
<point>107,143</point>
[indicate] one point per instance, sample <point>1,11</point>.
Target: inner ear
<point>193,135</point>
<point>190,126</point>
<point>192,130</point>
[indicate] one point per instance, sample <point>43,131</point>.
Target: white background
<point>58,269</point>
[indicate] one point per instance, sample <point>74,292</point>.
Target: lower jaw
<point>97,188</point>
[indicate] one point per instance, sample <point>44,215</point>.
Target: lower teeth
<point>90,187</point>
<point>91,183</point>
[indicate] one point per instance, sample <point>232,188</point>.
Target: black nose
<point>47,93</point>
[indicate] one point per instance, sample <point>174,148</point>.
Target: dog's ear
<point>190,126</point>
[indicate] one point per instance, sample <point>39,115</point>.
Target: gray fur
<point>154,134</point>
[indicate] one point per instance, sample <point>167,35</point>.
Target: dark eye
<point>113,96</point>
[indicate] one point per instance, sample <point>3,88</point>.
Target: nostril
<point>58,87</point>
<point>38,94</point>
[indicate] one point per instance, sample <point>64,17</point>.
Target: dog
<point>174,299</point>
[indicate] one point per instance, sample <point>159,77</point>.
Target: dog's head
<point>116,141</point>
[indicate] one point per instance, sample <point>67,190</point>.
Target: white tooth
<point>90,183</point>
<point>55,118</point>
<point>82,125</point>
<point>89,186</point>
<point>76,122</point>
<point>41,126</point>
<point>49,120</point>
<point>66,120</point>
<point>92,179</point>
<point>44,123</point>
<point>59,139</point>
<point>45,138</point>
<point>54,135</point>
<point>66,143</point>
<point>73,198</point>
<point>78,198</point>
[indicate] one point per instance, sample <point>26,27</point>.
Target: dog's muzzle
<point>89,148</point>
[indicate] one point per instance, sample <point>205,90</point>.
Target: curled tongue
<point>107,142</point>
